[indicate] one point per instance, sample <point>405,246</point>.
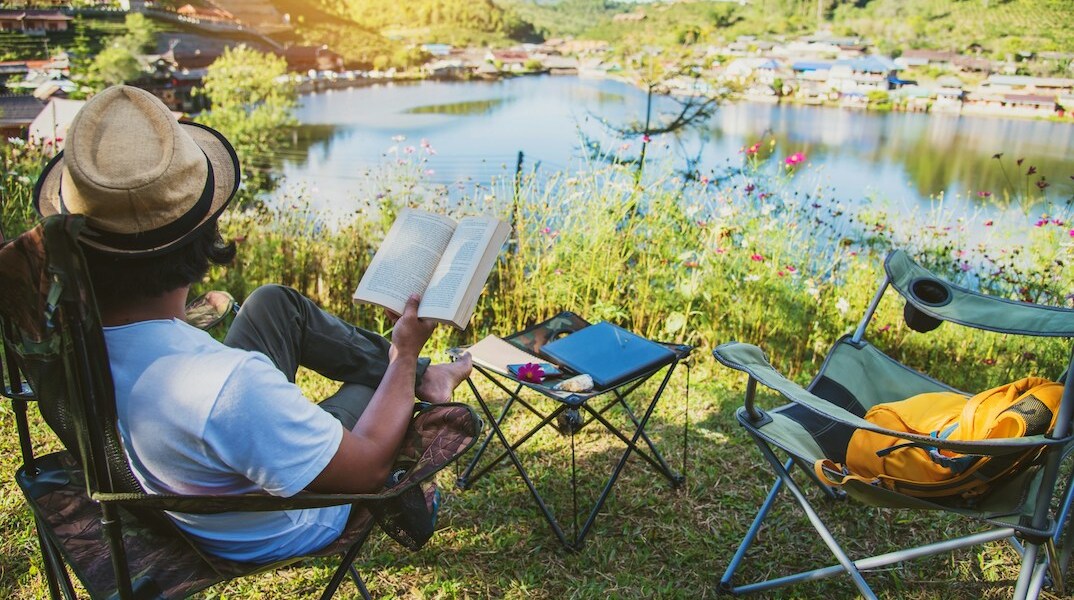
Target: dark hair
<point>119,280</point>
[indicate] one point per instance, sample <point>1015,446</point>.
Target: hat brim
<point>221,155</point>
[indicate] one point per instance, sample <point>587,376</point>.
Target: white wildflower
<point>842,305</point>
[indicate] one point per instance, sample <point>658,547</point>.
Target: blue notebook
<point>608,353</point>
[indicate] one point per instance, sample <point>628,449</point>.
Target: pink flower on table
<point>531,372</point>
<point>794,160</point>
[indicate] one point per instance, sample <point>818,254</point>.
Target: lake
<point>467,133</point>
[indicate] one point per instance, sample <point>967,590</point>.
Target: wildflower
<point>757,258</point>
<point>780,273</point>
<point>885,328</point>
<point>753,149</point>
<point>988,361</point>
<point>398,138</point>
<point>753,277</point>
<point>645,138</point>
<point>988,223</point>
<point>842,305</point>
<point>424,143</point>
<point>558,271</point>
<point>1031,170</point>
<point>1019,161</point>
<point>430,172</point>
<point>1041,223</point>
<point>997,155</point>
<point>705,181</point>
<point>624,147</point>
<point>749,188</point>
<point>794,160</point>
<point>965,266</point>
<point>791,269</point>
<point>409,149</point>
<point>984,194</point>
<point>1042,185</point>
<point>722,250</point>
<point>531,372</point>
<point>1072,233</point>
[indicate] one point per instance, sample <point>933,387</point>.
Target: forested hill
<point>997,27</point>
<point>387,30</point>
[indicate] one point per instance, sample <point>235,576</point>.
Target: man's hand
<point>410,333</point>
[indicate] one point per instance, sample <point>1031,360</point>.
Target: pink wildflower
<point>749,188</point>
<point>757,258</point>
<point>753,149</point>
<point>988,223</point>
<point>794,160</point>
<point>645,138</point>
<point>984,194</point>
<point>531,372</point>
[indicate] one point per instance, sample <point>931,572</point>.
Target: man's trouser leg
<point>293,331</point>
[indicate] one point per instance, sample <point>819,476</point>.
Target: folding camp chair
<point>1032,509</point>
<point>92,516</point>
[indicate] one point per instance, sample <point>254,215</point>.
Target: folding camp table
<point>572,412</point>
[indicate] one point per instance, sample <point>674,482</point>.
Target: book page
<point>458,268</point>
<point>494,353</point>
<point>406,260</point>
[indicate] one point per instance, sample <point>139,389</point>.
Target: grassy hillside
<point>999,27</point>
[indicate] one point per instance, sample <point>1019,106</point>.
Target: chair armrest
<point>752,360</point>
<point>437,435</point>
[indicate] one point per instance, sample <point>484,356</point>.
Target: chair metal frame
<point>1044,543</point>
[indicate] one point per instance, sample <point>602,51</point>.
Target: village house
<point>312,58</point>
<point>864,74</point>
<point>202,13</point>
<point>453,68</point>
<point>16,114</point>
<point>1024,84</point>
<point>49,128</point>
<point>33,22</point>
<point>513,61</point>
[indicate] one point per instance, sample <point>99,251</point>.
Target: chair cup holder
<point>929,292</point>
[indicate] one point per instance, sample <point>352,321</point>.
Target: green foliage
<point>21,164</point>
<point>251,101</point>
<point>116,63</point>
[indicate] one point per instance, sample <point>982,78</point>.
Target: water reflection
<point>478,128</point>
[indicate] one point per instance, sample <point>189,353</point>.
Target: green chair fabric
<point>1033,506</point>
<point>90,511</point>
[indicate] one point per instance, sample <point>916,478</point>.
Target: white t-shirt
<point>198,417</point>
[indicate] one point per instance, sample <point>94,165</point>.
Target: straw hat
<point>144,181</point>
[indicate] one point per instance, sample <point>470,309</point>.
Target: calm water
<point>473,131</point>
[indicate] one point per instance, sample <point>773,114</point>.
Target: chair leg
<point>751,534</point>
<point>59,582</point>
<point>1029,573</point>
<point>818,524</point>
<point>346,565</point>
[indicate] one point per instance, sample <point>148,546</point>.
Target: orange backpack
<point>1026,407</point>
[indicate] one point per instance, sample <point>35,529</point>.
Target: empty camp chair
<point>92,515</point>
<point>1030,507</point>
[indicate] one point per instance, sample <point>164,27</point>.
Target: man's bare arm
<point>365,455</point>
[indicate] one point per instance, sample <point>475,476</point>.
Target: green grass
<point>649,541</point>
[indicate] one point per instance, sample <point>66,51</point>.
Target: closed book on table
<point>608,353</point>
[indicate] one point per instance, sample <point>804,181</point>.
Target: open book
<point>445,261</point>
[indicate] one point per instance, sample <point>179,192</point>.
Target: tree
<point>251,101</point>
<point>114,65</point>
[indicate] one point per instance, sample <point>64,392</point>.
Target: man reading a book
<point>199,416</point>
